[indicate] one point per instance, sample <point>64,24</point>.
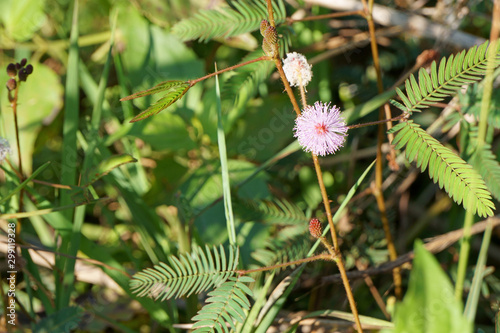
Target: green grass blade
<point>69,155</point>
<point>477,280</point>
<point>226,186</point>
<point>23,184</point>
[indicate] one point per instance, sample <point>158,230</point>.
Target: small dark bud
<point>18,66</point>
<point>22,74</point>
<point>11,70</point>
<point>11,84</point>
<point>23,62</point>
<point>29,69</point>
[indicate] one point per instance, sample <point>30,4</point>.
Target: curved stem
<point>338,256</point>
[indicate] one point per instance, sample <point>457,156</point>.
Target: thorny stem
<point>193,82</point>
<point>338,256</point>
<point>322,256</point>
<point>379,196</point>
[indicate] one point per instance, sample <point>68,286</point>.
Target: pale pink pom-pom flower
<point>320,129</point>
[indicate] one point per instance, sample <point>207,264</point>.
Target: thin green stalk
<point>74,246</point>
<point>477,281</point>
<point>483,126</point>
<point>68,157</point>
<point>226,188</point>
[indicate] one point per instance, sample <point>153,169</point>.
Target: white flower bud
<point>297,70</point>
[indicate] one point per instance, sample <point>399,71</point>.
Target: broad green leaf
<point>429,305</point>
<point>22,18</point>
<point>64,320</point>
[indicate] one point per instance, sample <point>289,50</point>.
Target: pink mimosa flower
<point>320,129</point>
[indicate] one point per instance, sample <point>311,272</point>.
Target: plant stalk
<point>378,192</point>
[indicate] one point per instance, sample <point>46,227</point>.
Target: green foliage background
<point>138,214</point>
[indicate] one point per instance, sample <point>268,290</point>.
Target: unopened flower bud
<point>271,34</point>
<point>11,70</point>
<point>268,48</point>
<point>264,24</point>
<point>315,228</point>
<point>29,69</point>
<point>11,84</point>
<point>22,74</point>
<point>23,62</point>
<point>297,70</point>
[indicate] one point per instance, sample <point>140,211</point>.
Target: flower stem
<point>302,93</point>
<point>338,256</point>
<point>16,128</point>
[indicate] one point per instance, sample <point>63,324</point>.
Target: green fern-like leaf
<point>452,74</point>
<point>226,304</point>
<point>186,274</point>
<point>487,164</point>
<point>240,17</point>
<point>459,179</point>
<point>175,92</point>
